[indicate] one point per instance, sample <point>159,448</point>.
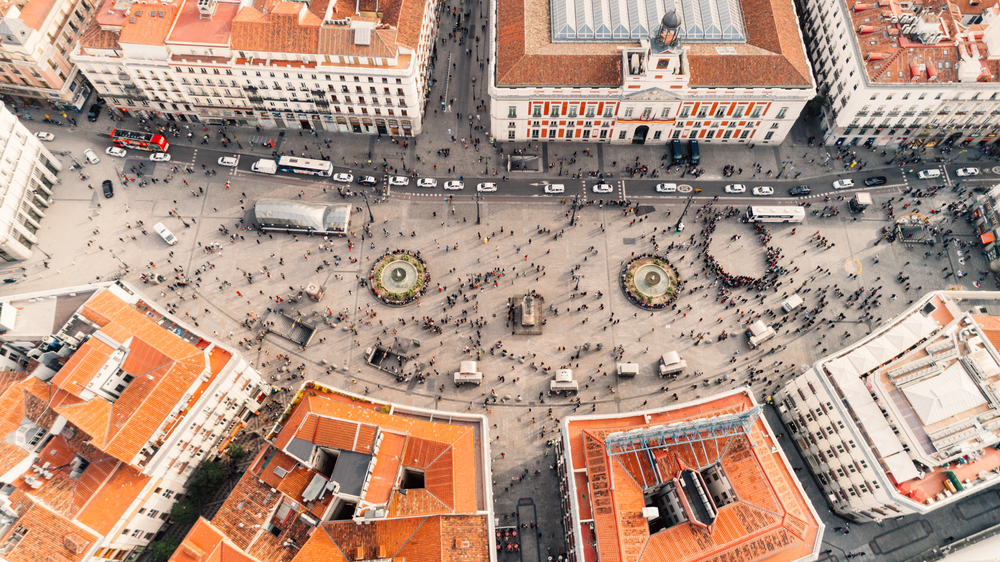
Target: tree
<point>207,480</point>
<point>234,451</point>
<point>184,512</point>
<point>162,550</point>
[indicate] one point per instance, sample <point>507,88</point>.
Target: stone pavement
<point>508,242</point>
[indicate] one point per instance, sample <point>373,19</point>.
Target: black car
<point>876,180</point>
<point>367,180</point>
<point>109,191</point>
<point>94,113</point>
<point>800,190</point>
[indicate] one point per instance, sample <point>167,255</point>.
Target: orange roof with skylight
<point>771,519</point>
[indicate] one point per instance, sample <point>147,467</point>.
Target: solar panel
<point>715,21</point>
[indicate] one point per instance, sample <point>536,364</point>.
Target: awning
<point>986,238</point>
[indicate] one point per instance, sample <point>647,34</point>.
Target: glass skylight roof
<point>712,21</point>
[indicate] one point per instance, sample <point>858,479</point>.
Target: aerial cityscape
<point>276,281</point>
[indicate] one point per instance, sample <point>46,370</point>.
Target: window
<point>665,113</point>
<point>147,536</point>
<point>534,133</point>
<point>781,112</point>
<point>590,111</point>
<point>685,111</point>
<point>552,133</point>
<point>656,135</point>
<point>768,135</point>
<point>608,111</point>
<point>628,112</point>
<point>536,111</point>
<point>168,494</point>
<point>136,533</point>
<point>572,111</point>
<point>512,111</point>
<point>702,111</point>
<point>153,512</point>
<point>14,538</point>
<point>621,135</point>
<point>755,113</point>
<point>555,111</point>
<point>511,134</point>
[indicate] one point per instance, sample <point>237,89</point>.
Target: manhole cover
<point>685,188</point>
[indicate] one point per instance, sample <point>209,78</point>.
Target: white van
<point>791,303</point>
<point>555,188</point>
<point>165,233</point>
<point>928,174</point>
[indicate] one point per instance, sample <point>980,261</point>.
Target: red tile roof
<point>145,29</point>
<point>35,12</point>
<point>205,543</point>
<point>190,27</point>
<point>289,28</point>
<point>164,366</point>
<point>106,507</point>
<point>47,533</point>
<point>526,56</point>
<point>895,58</point>
<point>771,519</point>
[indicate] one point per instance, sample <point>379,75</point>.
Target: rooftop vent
<point>207,8</point>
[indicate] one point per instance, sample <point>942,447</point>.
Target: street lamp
<point>477,208</point>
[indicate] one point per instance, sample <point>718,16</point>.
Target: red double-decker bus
<point>141,141</point>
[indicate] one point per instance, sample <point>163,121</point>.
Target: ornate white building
<point>716,71</point>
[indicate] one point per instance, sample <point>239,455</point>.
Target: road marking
<point>685,188</point>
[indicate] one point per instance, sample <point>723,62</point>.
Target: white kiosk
<point>563,382</point>
<point>671,364</point>
<point>467,373</point>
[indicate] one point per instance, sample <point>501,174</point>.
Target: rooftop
<point>763,47</point>
<point>148,24</point>
<point>190,27</point>
<point>924,388</point>
<point>655,494</point>
<point>339,460</point>
<point>932,41</point>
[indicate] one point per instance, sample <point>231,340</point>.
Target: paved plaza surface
<point>89,237</point>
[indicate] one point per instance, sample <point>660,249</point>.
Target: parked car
<point>843,184</point>
<point>47,137</point>
<point>399,180</point>
<point>555,188</point>
<point>109,190</point>
<point>486,187</point>
<point>90,156</point>
<point>800,190</point>
<point>736,188</point>
<point>965,172</point>
<point>159,157</point>
<point>454,184</point>
<point>115,151</point>
<point>763,190</point>
<point>666,188</point>
<point>229,161</point>
<point>876,180</point>
<point>94,113</point>
<point>370,181</point>
<point>427,182</point>
<point>165,233</point>
<point>603,188</point>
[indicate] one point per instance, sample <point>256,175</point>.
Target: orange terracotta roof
<point>406,16</point>
<point>447,475</point>
<point>146,25</point>
<point>10,456</point>
<point>289,28</point>
<point>387,468</point>
<point>35,12</point>
<point>94,37</point>
<point>205,543</point>
<point>105,508</point>
<point>418,539</point>
<point>339,40</point>
<point>47,534</point>
<point>92,479</point>
<point>164,366</point>
<point>771,519</point>
<point>190,27</point>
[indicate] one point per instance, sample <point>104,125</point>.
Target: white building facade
<point>664,80</point>
<point>28,176</point>
<point>213,63</point>
<point>906,74</point>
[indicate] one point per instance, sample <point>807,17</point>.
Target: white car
<point>964,172</point>
<point>343,178</point>
<point>115,151</point>
<point>230,161</point>
<point>454,184</point>
<point>736,188</point>
<point>555,188</point>
<point>486,187</point>
<point>843,184</point>
<point>666,188</point>
<point>399,180</point>
<point>47,137</point>
<point>763,190</point>
<point>159,157</point>
<point>427,182</point>
<point>928,174</point>
<point>603,188</point>
<point>90,156</point>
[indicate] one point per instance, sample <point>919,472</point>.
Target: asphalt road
<point>532,184</point>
